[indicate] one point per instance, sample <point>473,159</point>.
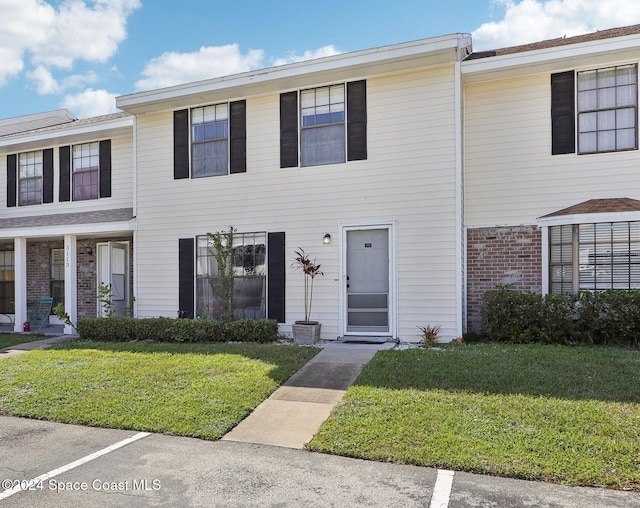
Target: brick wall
<point>39,271</point>
<point>499,256</point>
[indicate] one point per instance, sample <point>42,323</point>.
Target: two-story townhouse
<point>67,214</point>
<point>552,192</point>
<point>355,158</point>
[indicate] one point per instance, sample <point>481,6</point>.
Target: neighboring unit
<point>551,166</point>
<point>67,219</point>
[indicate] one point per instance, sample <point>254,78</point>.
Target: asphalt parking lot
<point>73,466</point>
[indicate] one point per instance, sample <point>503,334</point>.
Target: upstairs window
<point>30,178</point>
<point>600,110</point>
<point>322,132</point>
<point>86,170</point>
<point>323,125</point>
<point>607,109</point>
<point>209,140</point>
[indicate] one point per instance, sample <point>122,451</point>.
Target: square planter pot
<point>306,333</point>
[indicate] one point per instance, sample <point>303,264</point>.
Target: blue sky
<point>80,55</point>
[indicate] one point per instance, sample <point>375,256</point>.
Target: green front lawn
<point>560,414</point>
<point>199,390</point>
<point>11,339</point>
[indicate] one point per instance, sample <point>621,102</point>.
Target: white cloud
<point>308,55</point>
<point>536,20</point>
<point>208,62</point>
<point>46,84</point>
<point>82,32</point>
<point>55,37</point>
<point>44,81</point>
<point>212,61</point>
<point>90,103</point>
<point>24,25</point>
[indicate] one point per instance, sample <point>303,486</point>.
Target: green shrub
<point>111,329</point>
<point>162,329</point>
<point>607,317</point>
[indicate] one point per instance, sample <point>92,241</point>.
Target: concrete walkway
<point>295,411</point>
<point>36,344</point>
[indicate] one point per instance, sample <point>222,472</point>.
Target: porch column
<point>70,281</point>
<point>20,270</point>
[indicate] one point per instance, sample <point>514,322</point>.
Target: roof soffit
<point>347,66</point>
<point>75,132</point>
<point>553,59</point>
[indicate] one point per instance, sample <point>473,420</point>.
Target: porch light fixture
<point>326,239</point>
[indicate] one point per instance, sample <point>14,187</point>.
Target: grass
<point>200,390</point>
<point>11,339</point>
<point>568,415</point>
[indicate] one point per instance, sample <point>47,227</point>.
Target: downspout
<point>135,213</point>
<point>460,237</point>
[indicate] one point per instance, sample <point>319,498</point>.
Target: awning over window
<point>610,205</point>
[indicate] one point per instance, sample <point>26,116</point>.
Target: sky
<point>80,55</point>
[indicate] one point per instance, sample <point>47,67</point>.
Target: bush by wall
<point>606,318</point>
<point>162,329</point>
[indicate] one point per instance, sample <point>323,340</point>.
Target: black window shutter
<point>181,144</point>
<point>357,120</point>
<point>186,277</point>
<point>238,136</point>
<point>47,175</point>
<point>12,177</point>
<point>289,130</point>
<point>105,168</point>
<point>65,173</point>
<point>276,276</point>
<point>563,120</point>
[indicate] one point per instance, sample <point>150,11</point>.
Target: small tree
<point>310,269</point>
<point>222,284</point>
<point>105,297</point>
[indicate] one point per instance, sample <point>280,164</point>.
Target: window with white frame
<point>249,278</point>
<point>30,165</point>
<point>607,109</point>
<point>209,140</point>
<point>322,132</point>
<point>86,171</point>
<point>591,257</point>
<point>57,276</point>
<point>7,281</point>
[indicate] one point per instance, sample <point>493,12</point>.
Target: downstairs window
<point>592,257</point>
<point>248,293</point>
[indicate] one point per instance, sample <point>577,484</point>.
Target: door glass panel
<point>368,281</point>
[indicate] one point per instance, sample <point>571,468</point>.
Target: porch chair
<point>39,312</point>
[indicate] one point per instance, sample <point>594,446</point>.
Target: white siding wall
<point>121,184</point>
<point>409,177</point>
<point>511,178</point>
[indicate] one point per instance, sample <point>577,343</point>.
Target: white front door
<point>367,280</point>
<point>113,271</point>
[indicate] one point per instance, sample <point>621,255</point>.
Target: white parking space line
<point>442,489</point>
<point>26,484</point>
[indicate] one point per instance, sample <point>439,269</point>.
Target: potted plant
<point>306,331</point>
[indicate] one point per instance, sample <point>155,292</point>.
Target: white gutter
<point>409,51</point>
<point>523,58</point>
<point>67,130</point>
